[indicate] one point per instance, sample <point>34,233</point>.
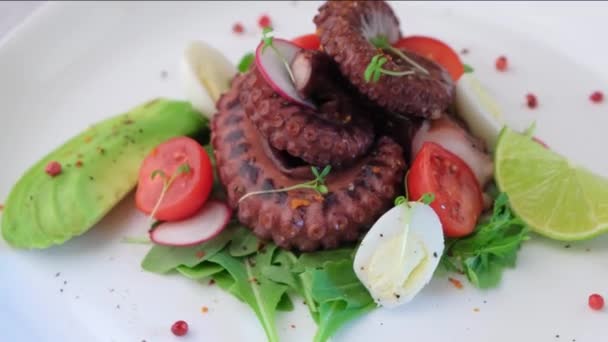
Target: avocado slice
<point>99,168</point>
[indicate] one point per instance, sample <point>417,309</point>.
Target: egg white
<point>400,253</point>
<point>205,74</point>
<point>478,109</point>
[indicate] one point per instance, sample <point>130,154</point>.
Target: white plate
<point>72,64</point>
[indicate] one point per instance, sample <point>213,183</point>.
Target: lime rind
<point>554,197</point>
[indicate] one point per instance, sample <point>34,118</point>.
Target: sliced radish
<point>447,133</point>
<point>209,222</point>
<point>273,69</point>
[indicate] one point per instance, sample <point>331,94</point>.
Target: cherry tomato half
<point>458,199</point>
<point>435,50</point>
<point>307,41</point>
<point>183,165</point>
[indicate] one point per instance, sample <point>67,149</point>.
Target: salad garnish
<point>381,42</point>
<point>493,247</point>
<point>246,62</point>
<point>374,69</point>
<point>267,39</point>
<point>167,182</point>
<point>317,184</point>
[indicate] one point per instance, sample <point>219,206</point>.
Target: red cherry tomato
<point>190,185</point>
<point>458,199</point>
<point>434,50</point>
<point>307,41</point>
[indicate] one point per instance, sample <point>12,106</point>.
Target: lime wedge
<point>556,198</point>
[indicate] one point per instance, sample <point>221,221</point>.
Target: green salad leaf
<point>162,259</point>
<point>260,293</point>
<point>493,247</point>
<point>336,314</point>
<point>263,276</point>
<point>246,62</point>
<point>337,281</point>
<point>340,295</point>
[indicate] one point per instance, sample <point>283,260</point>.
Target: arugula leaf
<point>225,281</point>
<point>319,259</point>
<point>493,247</point>
<point>200,271</point>
<point>467,68</point>
<point>244,243</point>
<point>162,259</point>
<point>282,272</point>
<point>246,62</point>
<point>337,281</point>
<point>340,295</point>
<point>260,293</point>
<point>285,303</point>
<point>263,278</point>
<point>334,315</point>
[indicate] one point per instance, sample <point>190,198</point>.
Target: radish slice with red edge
<point>205,225</point>
<point>274,71</point>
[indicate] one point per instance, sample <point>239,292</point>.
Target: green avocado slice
<point>99,168</point>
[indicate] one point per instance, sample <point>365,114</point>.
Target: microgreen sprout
<point>374,69</point>
<point>467,68</point>
<point>400,200</point>
<point>381,42</point>
<point>268,40</point>
<point>167,182</point>
<point>317,184</point>
<point>427,198</point>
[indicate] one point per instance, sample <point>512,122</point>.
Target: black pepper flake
<point>91,178</point>
<point>557,336</point>
<point>434,254</point>
<point>464,51</point>
<point>397,295</point>
<point>61,290</point>
<point>65,282</point>
<point>117,307</point>
<point>57,274</point>
<point>362,268</point>
<point>381,323</point>
<point>164,74</point>
<point>381,235</point>
<point>567,246</point>
<point>111,290</point>
<point>485,301</point>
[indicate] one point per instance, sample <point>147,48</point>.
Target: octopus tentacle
<point>345,28</point>
<point>319,138</point>
<point>299,219</point>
